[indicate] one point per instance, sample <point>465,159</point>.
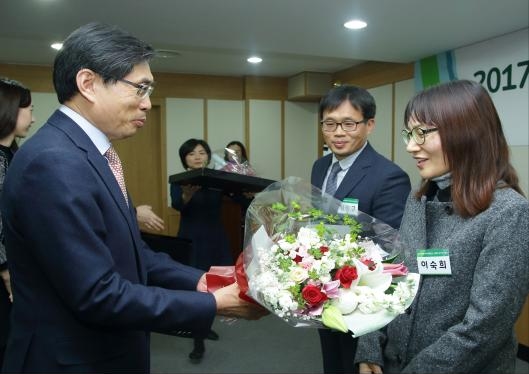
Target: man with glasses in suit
<point>362,179</point>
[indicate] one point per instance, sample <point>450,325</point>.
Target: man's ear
<point>370,125</point>
<point>86,84</point>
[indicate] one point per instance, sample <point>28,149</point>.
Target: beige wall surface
<point>301,138</point>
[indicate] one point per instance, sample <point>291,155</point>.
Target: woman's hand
<point>6,278</point>
<point>367,368</point>
<point>188,191</point>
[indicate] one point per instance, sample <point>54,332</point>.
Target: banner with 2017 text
<point>501,65</point>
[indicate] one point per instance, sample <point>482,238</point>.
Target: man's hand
<point>6,278</point>
<point>147,217</point>
<point>229,304</point>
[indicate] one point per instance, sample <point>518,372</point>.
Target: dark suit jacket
<point>380,186</point>
<point>87,289</point>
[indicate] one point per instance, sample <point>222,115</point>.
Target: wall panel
<point>381,138</point>
<point>265,132</point>
<point>301,138</point>
<point>225,122</point>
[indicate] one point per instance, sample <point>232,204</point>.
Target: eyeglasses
<point>418,134</point>
<point>144,89</point>
<point>346,125</point>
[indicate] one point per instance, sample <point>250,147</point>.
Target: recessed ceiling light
<point>56,46</point>
<point>254,60</point>
<point>167,53</point>
<point>355,24</point>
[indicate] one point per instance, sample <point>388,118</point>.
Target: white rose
<point>346,302</point>
<point>298,274</point>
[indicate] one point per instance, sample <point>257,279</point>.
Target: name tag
<point>349,206</point>
<point>433,261</point>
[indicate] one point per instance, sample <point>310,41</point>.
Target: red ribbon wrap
<point>222,276</point>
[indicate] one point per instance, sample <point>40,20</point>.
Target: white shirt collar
<point>97,137</point>
<point>349,160</point>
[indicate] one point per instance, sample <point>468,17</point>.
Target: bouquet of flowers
<point>312,265</point>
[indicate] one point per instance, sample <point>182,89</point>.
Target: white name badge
<point>433,261</point>
<point>349,206</point>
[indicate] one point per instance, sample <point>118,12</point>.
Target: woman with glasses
<point>466,230</point>
<point>16,117</point>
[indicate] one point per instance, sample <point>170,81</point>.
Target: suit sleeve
<point>84,250</point>
<point>390,198</point>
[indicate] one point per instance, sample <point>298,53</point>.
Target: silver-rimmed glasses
<point>347,125</point>
<point>417,133</point>
<point>144,90</point>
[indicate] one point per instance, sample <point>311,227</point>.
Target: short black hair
<point>188,146</point>
<point>359,98</point>
<point>107,50</point>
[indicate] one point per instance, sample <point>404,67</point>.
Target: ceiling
<point>216,36</point>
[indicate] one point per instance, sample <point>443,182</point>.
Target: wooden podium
<point>233,185</point>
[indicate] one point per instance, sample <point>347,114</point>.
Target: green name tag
<point>349,206</point>
<point>434,261</point>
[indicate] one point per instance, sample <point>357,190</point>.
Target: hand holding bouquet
<point>313,266</point>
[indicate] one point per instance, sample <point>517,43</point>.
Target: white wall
<point>301,138</point>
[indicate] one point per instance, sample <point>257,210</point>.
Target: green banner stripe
<point>429,71</point>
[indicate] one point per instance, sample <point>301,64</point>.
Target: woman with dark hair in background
<point>470,210</point>
<point>16,117</point>
<point>237,159</point>
<point>200,220</point>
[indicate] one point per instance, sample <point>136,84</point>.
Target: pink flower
<point>396,270</point>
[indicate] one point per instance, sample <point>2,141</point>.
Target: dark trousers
<point>338,350</point>
<point>5,311</point>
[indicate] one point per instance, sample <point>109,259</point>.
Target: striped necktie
<point>332,184</point>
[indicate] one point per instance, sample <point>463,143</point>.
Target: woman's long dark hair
<point>13,96</point>
<point>244,156</point>
<point>473,142</point>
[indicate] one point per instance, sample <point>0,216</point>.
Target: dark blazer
<point>87,289</point>
<point>380,186</point>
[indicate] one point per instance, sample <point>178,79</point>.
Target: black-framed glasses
<point>144,90</point>
<point>347,125</point>
<point>417,133</point>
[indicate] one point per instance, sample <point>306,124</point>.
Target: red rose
<point>298,259</point>
<point>313,295</point>
<point>346,275</point>
<point>324,249</point>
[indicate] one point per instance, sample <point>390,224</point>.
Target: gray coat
<point>459,323</point>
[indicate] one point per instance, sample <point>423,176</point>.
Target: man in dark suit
<point>87,290</point>
<point>362,179</point>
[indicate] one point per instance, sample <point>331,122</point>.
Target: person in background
<point>87,290</point>
<point>146,217</point>
<point>367,180</point>
<point>237,159</point>
<point>469,206</point>
<point>200,221</point>
<point>16,117</point>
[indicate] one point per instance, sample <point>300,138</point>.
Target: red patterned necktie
<point>115,165</point>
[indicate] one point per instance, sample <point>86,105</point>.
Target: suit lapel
<point>355,174</point>
<point>319,175</point>
<point>100,164</point>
